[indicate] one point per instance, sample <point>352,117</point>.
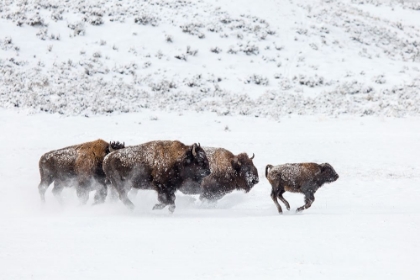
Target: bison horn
<point>110,147</point>
<point>194,153</point>
<point>252,156</point>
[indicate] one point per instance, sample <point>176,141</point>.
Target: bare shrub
<point>216,50</point>
<point>257,79</point>
<point>146,19</point>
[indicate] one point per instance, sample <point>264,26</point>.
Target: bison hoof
<point>159,206</point>
<point>129,205</point>
<point>171,208</point>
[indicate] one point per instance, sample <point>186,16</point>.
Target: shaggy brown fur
<point>79,163</point>
<point>228,172</point>
<point>157,165</point>
<point>305,178</point>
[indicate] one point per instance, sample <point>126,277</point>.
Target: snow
<point>229,57</point>
<point>288,80</point>
<point>364,225</point>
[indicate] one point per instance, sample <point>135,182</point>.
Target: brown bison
<point>228,173</point>
<point>305,178</point>
<point>78,164</point>
<point>157,165</point>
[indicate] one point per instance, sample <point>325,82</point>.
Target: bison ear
<point>324,167</point>
<point>236,163</point>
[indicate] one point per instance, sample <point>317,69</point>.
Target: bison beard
<point>159,165</point>
<point>79,163</point>
<point>305,178</point>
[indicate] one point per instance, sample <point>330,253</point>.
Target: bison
<point>81,164</point>
<point>305,178</point>
<point>159,165</point>
<point>228,173</point>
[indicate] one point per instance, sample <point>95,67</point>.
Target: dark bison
<point>157,165</point>
<point>228,173</point>
<point>305,178</point>
<point>79,165</point>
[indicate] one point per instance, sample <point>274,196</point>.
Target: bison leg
<point>46,180</point>
<point>127,202</point>
<point>309,199</point>
<point>58,188</point>
<point>83,189</point>
<point>280,196</point>
<point>101,192</point>
<point>82,194</point>
<point>122,193</point>
<point>165,198</point>
<point>113,194</point>
<point>121,186</point>
<point>100,195</point>
<point>274,198</point>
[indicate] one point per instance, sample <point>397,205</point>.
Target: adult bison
<point>305,178</point>
<point>157,165</point>
<point>79,165</point>
<point>228,172</point>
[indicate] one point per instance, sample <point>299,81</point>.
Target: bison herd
<point>170,166</point>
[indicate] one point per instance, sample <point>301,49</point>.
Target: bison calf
<point>228,172</point>
<point>159,165</point>
<point>79,164</point>
<point>305,178</point>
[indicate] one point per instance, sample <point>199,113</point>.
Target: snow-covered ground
<point>364,226</point>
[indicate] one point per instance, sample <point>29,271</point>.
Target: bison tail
<point>269,166</point>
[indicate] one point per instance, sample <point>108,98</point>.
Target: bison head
<point>328,173</point>
<point>245,170</point>
<point>195,164</point>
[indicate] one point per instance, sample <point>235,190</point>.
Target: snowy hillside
<point>229,57</point>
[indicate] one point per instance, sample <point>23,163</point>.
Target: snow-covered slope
<point>229,57</point>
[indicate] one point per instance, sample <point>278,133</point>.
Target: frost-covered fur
<point>79,165</point>
<point>228,173</point>
<point>157,165</point>
<point>305,178</point>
